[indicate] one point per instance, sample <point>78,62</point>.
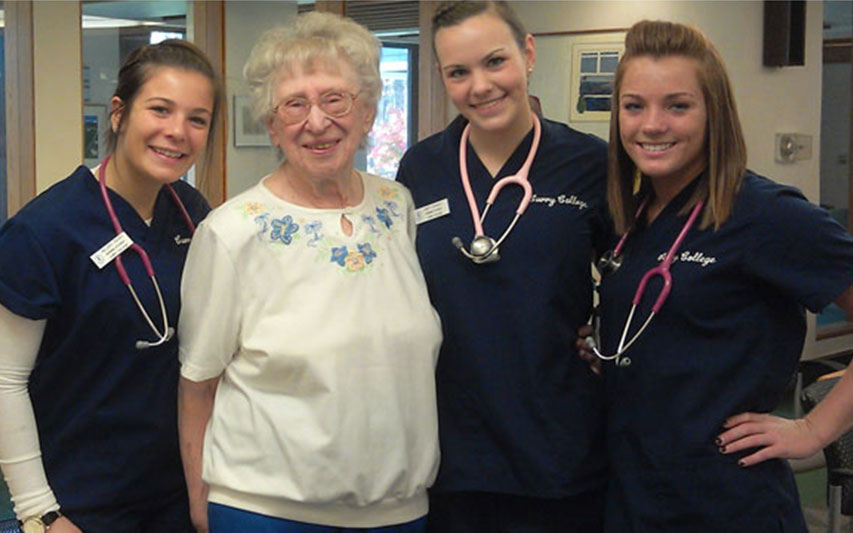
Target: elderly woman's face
<point>311,124</point>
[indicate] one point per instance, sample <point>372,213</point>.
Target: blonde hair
<point>313,38</point>
<point>725,146</point>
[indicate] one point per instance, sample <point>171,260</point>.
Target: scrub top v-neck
<point>98,400</point>
<point>727,340</point>
<point>519,412</point>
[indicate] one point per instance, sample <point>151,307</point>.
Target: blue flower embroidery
<point>392,206</point>
<point>370,221</point>
<point>382,215</point>
<point>263,221</point>
<point>313,228</point>
<point>339,255</point>
<point>367,251</point>
<point>283,229</point>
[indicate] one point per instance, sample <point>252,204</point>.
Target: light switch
<point>792,147</point>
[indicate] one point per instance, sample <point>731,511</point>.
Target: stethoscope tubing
<point>167,331</point>
<point>520,178</point>
<point>662,270</point>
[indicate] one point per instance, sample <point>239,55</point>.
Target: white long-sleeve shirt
<point>20,454</point>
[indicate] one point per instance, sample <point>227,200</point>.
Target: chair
<point>839,460</point>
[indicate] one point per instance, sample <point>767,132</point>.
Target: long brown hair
<point>725,146</point>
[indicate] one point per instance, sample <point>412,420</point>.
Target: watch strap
<point>50,517</point>
<point>40,523</point>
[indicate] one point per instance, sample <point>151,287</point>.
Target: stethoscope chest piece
<point>609,263</point>
<point>484,249</point>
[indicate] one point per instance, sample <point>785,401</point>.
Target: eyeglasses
<point>333,103</point>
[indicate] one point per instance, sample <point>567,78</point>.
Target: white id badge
<point>111,250</point>
<point>432,211</point>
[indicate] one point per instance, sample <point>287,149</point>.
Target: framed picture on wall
<point>594,61</point>
<point>94,134</point>
<point>247,132</point>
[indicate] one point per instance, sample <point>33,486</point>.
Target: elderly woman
<point>308,343</point>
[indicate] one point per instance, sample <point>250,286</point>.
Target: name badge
<point>111,250</point>
<point>432,211</point>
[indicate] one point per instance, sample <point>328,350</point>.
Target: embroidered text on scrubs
<point>691,257</point>
<point>550,201</point>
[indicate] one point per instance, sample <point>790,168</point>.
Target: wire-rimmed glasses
<point>335,104</point>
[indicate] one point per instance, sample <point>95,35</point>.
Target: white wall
<point>770,100</point>
<point>244,23</point>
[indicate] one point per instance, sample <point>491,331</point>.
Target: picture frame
<point>247,132</point>
<point>594,61</point>
<point>94,134</point>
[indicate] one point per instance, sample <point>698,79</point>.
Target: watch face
<point>33,525</point>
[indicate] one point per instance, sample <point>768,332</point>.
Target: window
<point>3,183</point>
<point>395,127</point>
<point>111,30</point>
<point>835,170</point>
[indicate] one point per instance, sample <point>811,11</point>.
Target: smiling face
<point>166,127</point>
<point>663,119</point>
<point>321,147</point>
<point>485,72</point>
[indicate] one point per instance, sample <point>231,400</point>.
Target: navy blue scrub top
<point>519,412</point>
<point>727,340</point>
<point>106,412</point>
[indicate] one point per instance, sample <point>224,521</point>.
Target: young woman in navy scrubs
<point>729,335</point>
<point>520,419</point>
<point>88,388</point>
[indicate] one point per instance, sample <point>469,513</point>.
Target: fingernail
<point>721,449</point>
<point>741,463</point>
<point>718,441</point>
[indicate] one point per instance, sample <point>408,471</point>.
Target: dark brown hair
<point>725,146</point>
<point>453,13</point>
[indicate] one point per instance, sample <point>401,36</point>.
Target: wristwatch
<point>39,524</point>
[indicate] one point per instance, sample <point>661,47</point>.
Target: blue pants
<point>224,519</point>
<point>483,512</point>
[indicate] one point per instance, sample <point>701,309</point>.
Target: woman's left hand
<point>774,436</point>
<point>585,352</point>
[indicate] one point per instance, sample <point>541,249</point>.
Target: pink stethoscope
<point>167,331</point>
<point>611,261</point>
<point>484,249</point>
